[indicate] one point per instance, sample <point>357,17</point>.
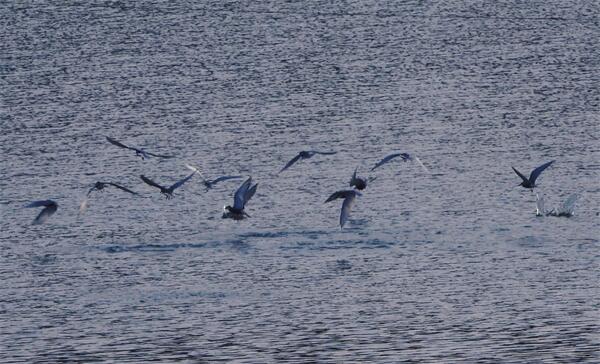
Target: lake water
<point>450,266</point>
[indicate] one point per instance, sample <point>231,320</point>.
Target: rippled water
<point>451,266</point>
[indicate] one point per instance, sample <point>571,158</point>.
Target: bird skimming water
<point>167,191</point>
<point>210,183</point>
<point>100,186</point>
<point>138,152</point>
<point>50,208</point>
<point>349,196</point>
<point>530,182</point>
<point>305,154</point>
<point>243,194</point>
<point>405,158</point>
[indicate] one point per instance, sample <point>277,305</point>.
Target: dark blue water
<point>450,266</point>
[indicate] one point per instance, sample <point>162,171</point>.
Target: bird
<point>138,152</point>
<point>405,158</point>
<point>210,183</point>
<point>359,183</point>
<point>167,191</point>
<point>305,154</point>
<point>530,182</point>
<point>100,186</point>
<point>50,208</point>
<point>241,197</point>
<point>349,196</point>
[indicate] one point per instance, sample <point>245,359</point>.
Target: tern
<point>243,194</point>
<point>359,183</point>
<point>349,196</point>
<point>530,182</point>
<point>50,208</point>
<point>210,183</point>
<point>405,158</point>
<point>100,186</point>
<point>167,191</point>
<point>305,154</point>
<point>138,152</point>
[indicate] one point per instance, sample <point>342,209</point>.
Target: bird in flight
<point>359,183</point>
<point>349,196</point>
<point>211,183</point>
<point>167,191</point>
<point>305,154</point>
<point>241,197</point>
<point>530,182</point>
<point>100,186</point>
<point>405,158</point>
<point>50,208</point>
<point>138,152</point>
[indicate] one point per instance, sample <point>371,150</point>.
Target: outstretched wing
<point>536,172</point>
<point>289,164</point>
<point>181,182</point>
<point>421,164</point>
<point>389,158</point>
<point>346,207</point>
<point>520,175</point>
<point>323,153</point>
<point>151,182</point>
<point>224,178</point>
<point>45,214</point>
<point>118,144</point>
<point>339,194</point>
<point>239,199</point>
<point>159,155</point>
<point>121,188</point>
<point>41,203</point>
<point>249,193</point>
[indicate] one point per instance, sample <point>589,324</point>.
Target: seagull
<point>210,183</point>
<point>305,154</point>
<point>530,182</point>
<point>50,208</point>
<point>349,196</point>
<point>243,194</point>
<point>138,152</point>
<point>167,191</point>
<point>405,158</point>
<point>359,183</point>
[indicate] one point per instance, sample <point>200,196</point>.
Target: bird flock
<point>248,188</point>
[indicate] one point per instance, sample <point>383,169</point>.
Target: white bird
<point>167,191</point>
<point>50,208</point>
<point>305,154</point>
<point>210,183</point>
<point>241,197</point>
<point>405,157</point>
<point>349,196</point>
<point>138,152</point>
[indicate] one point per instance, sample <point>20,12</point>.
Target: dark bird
<point>349,196</point>
<point>138,152</point>
<point>405,158</point>
<point>210,183</point>
<point>243,194</point>
<point>100,186</point>
<point>50,208</point>
<point>306,154</point>
<point>530,182</point>
<point>359,183</point>
<point>167,191</point>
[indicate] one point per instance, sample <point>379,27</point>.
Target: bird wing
<point>346,207</point>
<point>118,144</point>
<point>289,164</point>
<point>45,214</point>
<point>159,155</point>
<point>421,164</point>
<point>90,191</point>
<point>249,193</point>
<point>121,188</point>
<point>239,199</point>
<point>224,178</point>
<point>353,179</point>
<point>387,159</point>
<point>41,203</point>
<point>520,174</point>
<point>323,153</point>
<point>181,182</point>
<point>536,172</point>
<point>197,170</point>
<point>339,194</point>
<point>151,182</point>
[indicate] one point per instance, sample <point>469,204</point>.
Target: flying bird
<point>167,191</point>
<point>243,194</point>
<point>138,152</point>
<point>530,182</point>
<point>359,183</point>
<point>100,186</point>
<point>50,208</point>
<point>305,154</point>
<point>210,183</point>
<point>405,158</point>
<point>349,196</point>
